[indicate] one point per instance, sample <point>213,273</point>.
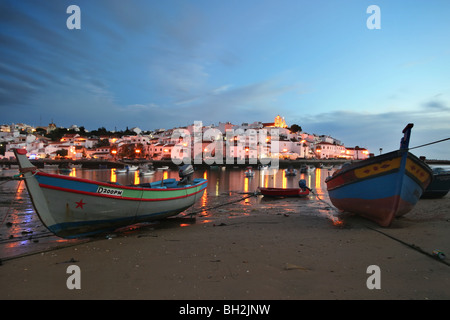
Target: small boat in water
<point>440,185</point>
<point>290,172</point>
<point>145,170</point>
<point>144,173</point>
<point>65,170</point>
<point>71,207</point>
<point>126,169</point>
<point>307,169</point>
<point>249,172</point>
<point>383,187</point>
<point>284,192</point>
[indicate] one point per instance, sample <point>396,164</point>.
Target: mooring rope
<point>427,144</point>
<point>223,204</point>
<point>412,246</point>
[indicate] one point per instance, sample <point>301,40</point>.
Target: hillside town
<point>76,143</point>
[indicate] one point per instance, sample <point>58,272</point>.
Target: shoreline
<point>262,256</point>
<point>283,163</point>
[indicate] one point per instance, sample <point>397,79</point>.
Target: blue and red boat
<point>383,187</point>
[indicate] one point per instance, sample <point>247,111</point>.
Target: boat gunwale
<point>95,194</point>
<point>117,186</point>
<point>371,161</point>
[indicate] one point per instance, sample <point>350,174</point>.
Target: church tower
<point>280,122</point>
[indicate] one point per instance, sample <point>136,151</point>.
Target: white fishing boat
<point>126,169</point>
<point>145,171</point>
<point>72,207</point>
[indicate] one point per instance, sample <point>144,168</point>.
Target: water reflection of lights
<point>319,181</point>
<point>246,201</point>
<point>204,202</point>
<point>113,175</point>
<point>224,186</point>
<point>137,180</point>
<point>245,184</point>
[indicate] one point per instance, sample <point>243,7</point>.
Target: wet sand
<point>264,255</point>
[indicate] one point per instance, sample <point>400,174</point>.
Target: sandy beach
<point>264,255</point>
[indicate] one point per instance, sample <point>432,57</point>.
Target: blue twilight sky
<point>164,64</point>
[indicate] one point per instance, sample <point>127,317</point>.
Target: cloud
<point>435,105</point>
<point>384,130</point>
<point>246,103</point>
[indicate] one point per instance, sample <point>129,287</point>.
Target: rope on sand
<point>412,246</point>
<point>223,204</point>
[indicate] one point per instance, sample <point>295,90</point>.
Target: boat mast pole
<point>404,142</point>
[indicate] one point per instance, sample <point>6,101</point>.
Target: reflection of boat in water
<point>382,187</point>
<point>440,185</point>
<point>72,207</point>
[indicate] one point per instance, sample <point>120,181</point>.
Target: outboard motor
<point>185,172</point>
<point>302,184</point>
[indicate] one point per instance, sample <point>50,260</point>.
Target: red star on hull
<point>80,204</point>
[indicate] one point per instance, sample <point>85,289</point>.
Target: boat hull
<point>380,188</point>
<point>439,187</point>
<point>284,192</point>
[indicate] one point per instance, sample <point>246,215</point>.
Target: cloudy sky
<point>164,64</point>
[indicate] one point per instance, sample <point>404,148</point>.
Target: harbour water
<point>229,194</point>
